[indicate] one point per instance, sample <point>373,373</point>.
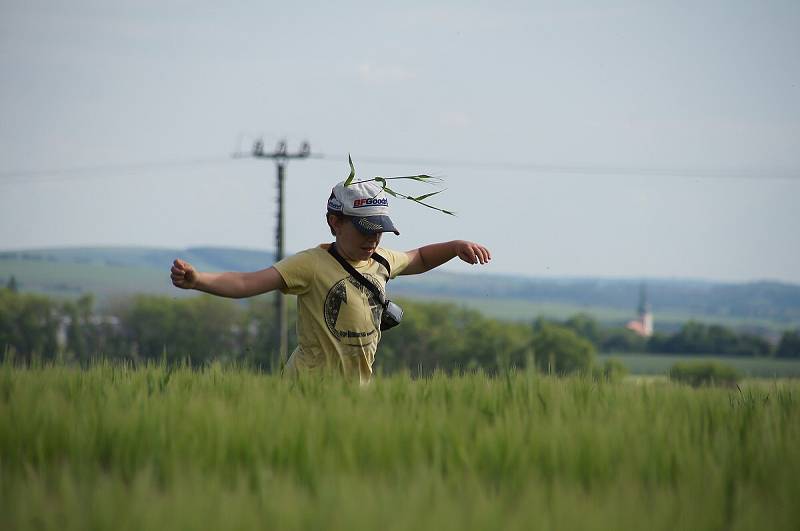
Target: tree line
<point>692,338</point>
<point>432,336</point>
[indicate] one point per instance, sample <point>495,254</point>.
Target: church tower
<point>645,312</point>
<point>643,324</point>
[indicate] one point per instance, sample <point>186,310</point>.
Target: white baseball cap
<point>365,203</point>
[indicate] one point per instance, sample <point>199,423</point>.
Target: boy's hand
<point>472,253</point>
<point>183,275</point>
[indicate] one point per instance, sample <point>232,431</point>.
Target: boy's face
<point>351,242</point>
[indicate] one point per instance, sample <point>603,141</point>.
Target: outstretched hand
<point>472,253</point>
<point>183,275</point>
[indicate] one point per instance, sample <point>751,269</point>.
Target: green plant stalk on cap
<point>428,179</point>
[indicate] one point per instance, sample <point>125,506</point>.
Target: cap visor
<point>374,224</point>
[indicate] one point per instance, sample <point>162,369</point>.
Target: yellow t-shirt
<point>338,319</point>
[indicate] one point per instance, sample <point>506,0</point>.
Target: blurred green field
<point>659,364</point>
<point>112,447</point>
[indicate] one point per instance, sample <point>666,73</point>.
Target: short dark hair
<point>339,215</point>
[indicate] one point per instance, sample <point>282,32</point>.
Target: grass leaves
<point>383,181</point>
<point>352,171</point>
<point>160,447</point>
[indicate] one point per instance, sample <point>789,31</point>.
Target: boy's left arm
<point>430,256</point>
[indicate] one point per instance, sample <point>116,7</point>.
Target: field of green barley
<point>118,447</point>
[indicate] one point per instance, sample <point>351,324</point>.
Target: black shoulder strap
<point>358,276</point>
<point>384,262</point>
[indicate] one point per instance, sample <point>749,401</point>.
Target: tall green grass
<point>174,448</point>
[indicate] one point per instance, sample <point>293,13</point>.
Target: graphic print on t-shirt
<point>345,315</point>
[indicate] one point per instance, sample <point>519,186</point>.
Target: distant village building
<point>642,325</point>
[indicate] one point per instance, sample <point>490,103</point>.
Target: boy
<point>338,317</point>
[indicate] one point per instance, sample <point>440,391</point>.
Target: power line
<point>112,170</point>
<point>605,171</point>
<point>102,171</point>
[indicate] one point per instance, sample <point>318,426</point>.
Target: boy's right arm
<point>229,284</point>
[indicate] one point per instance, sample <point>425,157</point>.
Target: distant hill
<point>206,258</point>
<point>110,271</point>
<point>757,300</point>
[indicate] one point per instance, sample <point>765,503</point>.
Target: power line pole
<point>281,157</point>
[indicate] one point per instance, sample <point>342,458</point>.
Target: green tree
<point>448,337</point>
<point>198,328</point>
<point>28,324</point>
<point>699,338</point>
<point>585,326</point>
<point>558,349</point>
<point>12,285</point>
<point>79,314</point>
<point>89,335</point>
<point>431,336</point>
<point>622,340</point>
<point>259,327</point>
<point>789,346</point>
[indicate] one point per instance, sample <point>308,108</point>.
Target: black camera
<point>391,316</point>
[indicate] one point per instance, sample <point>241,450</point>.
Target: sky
<point>576,139</point>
